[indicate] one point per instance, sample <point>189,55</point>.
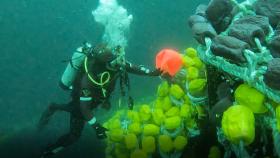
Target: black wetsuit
<point>80,111</point>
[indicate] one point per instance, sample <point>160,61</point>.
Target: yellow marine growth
<point>158,104</point>
<point>190,58</point>
<point>194,59</point>
<point>133,116</point>
<point>186,111</point>
<point>194,66</point>
<point>158,116</point>
<point>278,117</point>
<point>197,85</point>
<point>138,154</point>
<point>188,61</point>
<point>250,97</point>
<point>149,144</point>
<point>176,91</point>
<point>165,143</point>
<point>180,142</point>
<point>191,52</point>
<point>174,111</point>
<point>114,123</point>
<point>151,130</point>
<point>238,124</point>
<point>116,135</point>
<point>198,63</point>
<point>131,141</point>
<point>135,128</point>
<point>172,123</point>
<point>166,103</point>
<point>120,151</point>
<point>163,89</point>
<point>145,112</point>
<point>192,73</point>
<point>160,126</point>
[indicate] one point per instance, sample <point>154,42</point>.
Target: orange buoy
<point>169,61</point>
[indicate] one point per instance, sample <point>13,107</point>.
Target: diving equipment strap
<point>92,121</point>
<point>85,98</point>
<point>104,79</point>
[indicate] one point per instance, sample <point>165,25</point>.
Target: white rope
<point>240,72</point>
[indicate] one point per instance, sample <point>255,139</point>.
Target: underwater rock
<point>230,48</point>
<point>257,20</point>
<point>201,10</point>
<point>270,9</point>
<point>247,33</point>
<point>201,30</point>
<point>200,26</point>
<point>274,46</point>
<point>272,76</point>
<point>196,19</point>
<point>219,14</point>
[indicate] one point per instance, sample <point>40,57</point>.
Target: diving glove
<point>156,72</point>
<point>100,131</point>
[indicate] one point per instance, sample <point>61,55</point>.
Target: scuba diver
<point>91,75</point>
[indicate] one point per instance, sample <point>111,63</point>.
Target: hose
<point>104,79</point>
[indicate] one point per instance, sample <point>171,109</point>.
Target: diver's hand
<point>162,74</point>
<point>166,76</point>
<point>156,72</point>
<point>100,131</point>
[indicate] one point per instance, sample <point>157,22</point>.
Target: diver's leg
<point>76,127</point>
<point>61,107</point>
<point>51,109</point>
<point>85,107</point>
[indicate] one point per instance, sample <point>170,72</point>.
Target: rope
<point>241,72</point>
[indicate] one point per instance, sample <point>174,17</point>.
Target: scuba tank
<point>74,66</point>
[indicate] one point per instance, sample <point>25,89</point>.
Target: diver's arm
<point>141,70</point>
